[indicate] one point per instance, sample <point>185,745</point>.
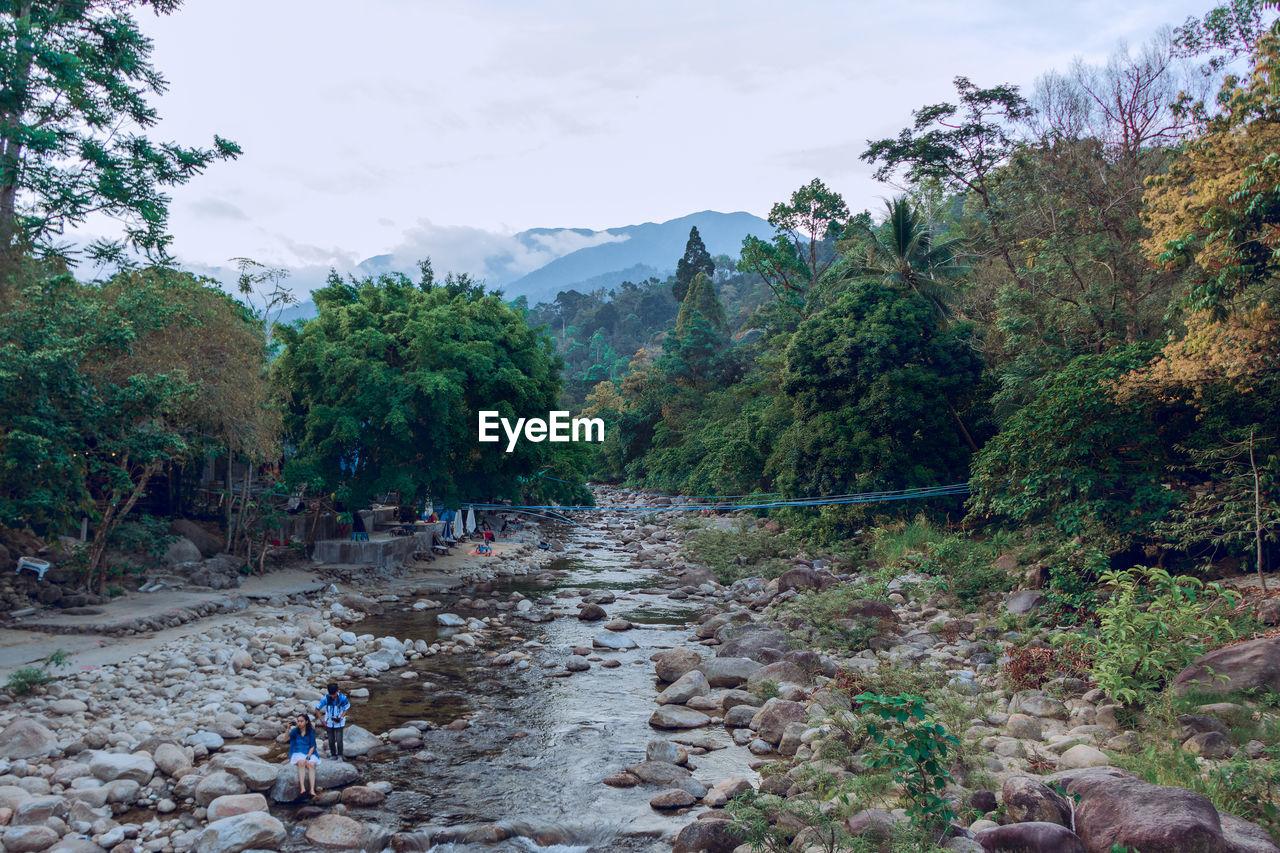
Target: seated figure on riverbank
<point>303,753</point>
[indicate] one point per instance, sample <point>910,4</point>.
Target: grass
<point>731,555</point>
<point>826,613</point>
<point>961,565</point>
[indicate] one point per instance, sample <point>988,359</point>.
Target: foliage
<point>75,78</point>
<point>386,382</point>
<point>26,679</point>
<point>739,553</point>
<point>966,567</point>
<point>826,614</point>
<point>915,749</point>
<point>695,261</point>
<point>1152,626</point>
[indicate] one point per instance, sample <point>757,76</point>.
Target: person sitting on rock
<point>303,753</point>
<point>332,710</point>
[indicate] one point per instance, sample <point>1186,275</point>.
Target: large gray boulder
<point>707,836</point>
<point>678,717</point>
<point>219,783</point>
<point>770,722</point>
<point>27,737</point>
<point>181,550</point>
<point>248,831</point>
<point>234,804</point>
<point>256,774</point>
<point>1027,800</point>
<point>356,741</point>
<point>727,672</point>
<point>670,665</point>
<point>29,839</point>
<point>762,645</point>
<point>110,766</point>
<point>1241,667</point>
<point>658,772</point>
<point>205,542</point>
<point>336,832</point>
<point>1244,837</point>
<point>1142,816</point>
<point>692,683</point>
<point>330,774</point>
<point>172,760</point>
<point>1033,837</point>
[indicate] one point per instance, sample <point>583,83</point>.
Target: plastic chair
<point>37,566</point>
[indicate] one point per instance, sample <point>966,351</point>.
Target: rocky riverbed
<point>612,697</point>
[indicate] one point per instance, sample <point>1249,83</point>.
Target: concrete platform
<point>384,553</point>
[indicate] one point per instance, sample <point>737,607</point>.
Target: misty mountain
<point>580,259</point>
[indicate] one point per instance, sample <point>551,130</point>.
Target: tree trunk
<point>964,431</point>
<point>111,518</point>
<point>11,149</point>
<point>231,496</point>
<point>1257,510</point>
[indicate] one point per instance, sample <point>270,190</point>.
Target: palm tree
<point>902,252</point>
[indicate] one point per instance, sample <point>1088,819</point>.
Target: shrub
<point>916,749</point>
<point>827,614</point>
<point>1153,625</point>
<point>742,553</point>
<point>28,678</point>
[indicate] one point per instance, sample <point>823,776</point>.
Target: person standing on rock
<point>303,753</point>
<point>332,710</point>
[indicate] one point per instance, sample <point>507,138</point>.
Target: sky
<point>426,127</point>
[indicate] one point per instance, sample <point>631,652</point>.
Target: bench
<point>37,566</point>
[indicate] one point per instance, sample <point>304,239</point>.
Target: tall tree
<point>696,260</point>
<point>903,252</point>
<point>74,81</point>
<point>802,250</point>
<point>690,352</point>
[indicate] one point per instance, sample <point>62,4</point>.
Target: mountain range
<point>583,259</point>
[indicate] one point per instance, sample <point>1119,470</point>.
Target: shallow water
<point>538,746</point>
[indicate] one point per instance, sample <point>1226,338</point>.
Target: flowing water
<point>539,745</point>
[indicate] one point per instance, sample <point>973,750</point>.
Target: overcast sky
<point>415,126</point>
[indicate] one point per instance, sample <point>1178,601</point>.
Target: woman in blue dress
<point>303,753</point>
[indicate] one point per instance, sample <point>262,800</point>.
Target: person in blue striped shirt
<point>332,712</point>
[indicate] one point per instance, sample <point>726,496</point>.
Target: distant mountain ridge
<point>615,255</point>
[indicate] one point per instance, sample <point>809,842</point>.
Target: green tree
<point>74,80</point>
<point>802,250</point>
<point>903,252</point>
<point>387,382</point>
<point>691,351</point>
<point>696,260</point>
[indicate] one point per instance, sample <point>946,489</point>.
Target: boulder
<point>234,804</point>
<point>28,839</point>
<point>1023,601</point>
<point>762,645</point>
<point>670,665</point>
<point>780,672</point>
<point>739,716</point>
<point>362,796</point>
<point>181,550</point>
<point>665,750</point>
<point>707,836</point>
<point>172,760</point>
<point>592,613</point>
<point>1082,755</point>
<point>692,683</point>
<point>726,671</point>
<point>1037,703</point>
<point>725,790</point>
<point>253,696</point>
<point>249,831</point>
<point>219,783</point>
<point>673,798</point>
<point>1142,816</point>
<point>356,742</point>
<point>26,737</point>
<point>361,603</point>
<point>802,577</point>
<point>658,772</point>
<point>612,640</point>
<point>771,720</point>
<point>873,824</point>
<point>1244,837</point>
<point>257,775</point>
<point>1209,745</point>
<point>336,831</point>
<point>1030,800</point>
<point>330,774</point>
<point>1033,837</point>
<point>1241,667</point>
<point>206,543</point>
<point>676,717</point>
<point>110,766</point>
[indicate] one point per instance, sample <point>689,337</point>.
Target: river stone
<point>39,809</point>
<point>612,640</point>
<point>803,577</point>
<point>66,707</point>
<point>665,750</point>
<point>329,774</point>
<point>1023,601</point>
<point>172,760</point>
<point>219,783</point>
<point>1034,837</point>
<point>1142,816</point>
<point>1030,800</point>
<point>577,663</point>
<point>739,716</point>
<point>621,780</point>
<point>26,737</point>
<point>673,798</point>
<point>356,742</point>
<point>670,665</point>
<point>658,772</point>
<point>762,645</point>
<point>1209,745</point>
<point>675,717</point>
<point>779,672</point>
<point>1024,727</point>
<point>727,672</point>
<point>873,824</point>
<point>363,796</point>
<point>689,685</point>
<point>361,603</point>
<point>591,613</point>
<point>257,775</point>
<point>451,620</point>
<point>27,839</point>
<point>772,718</point>
<point>252,696</point>
<point>211,741</point>
<point>249,831</point>
<point>1082,755</point>
<point>707,836</point>
<point>1241,667</point>
<point>1244,837</point>
<point>71,844</point>
<point>336,831</point>
<point>724,791</point>
<point>109,766</point>
<point>618,625</point>
<point>234,804</point>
